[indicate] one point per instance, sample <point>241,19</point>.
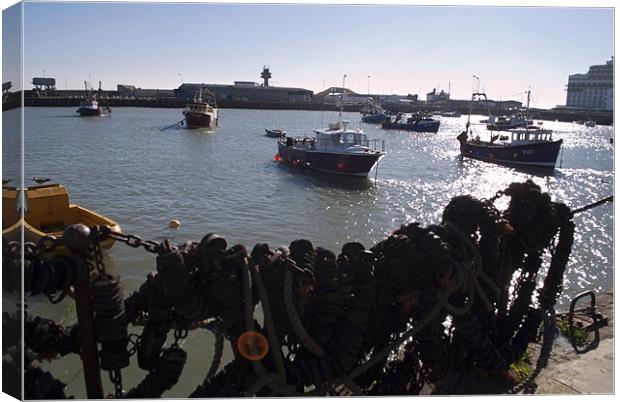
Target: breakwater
<point>563,115</point>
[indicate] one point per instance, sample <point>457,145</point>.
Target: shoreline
<point>14,100</point>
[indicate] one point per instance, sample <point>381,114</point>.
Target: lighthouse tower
<point>265,75</point>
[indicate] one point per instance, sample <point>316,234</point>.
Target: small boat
<point>450,114</point>
<point>374,115</point>
<point>201,112</point>
<point>415,123</point>
<point>590,123</point>
<point>376,118</point>
<point>276,132</point>
<point>90,106</point>
<point>531,147</point>
<point>336,149</point>
<point>501,123</point>
<point>48,212</point>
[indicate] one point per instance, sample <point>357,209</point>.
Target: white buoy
<point>174,224</point>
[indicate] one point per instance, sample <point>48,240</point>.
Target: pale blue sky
<point>405,49</point>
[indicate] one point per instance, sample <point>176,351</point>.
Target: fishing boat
<point>501,123</point>
<point>276,132</point>
<point>374,115</point>
<point>336,149</point>
<point>531,147</point>
<point>47,212</point>
<point>416,123</point>
<point>201,112</point>
<point>450,114</point>
<point>90,106</point>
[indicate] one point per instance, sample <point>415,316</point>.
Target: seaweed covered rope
<point>423,306</point>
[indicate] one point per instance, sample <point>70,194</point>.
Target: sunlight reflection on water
<point>227,182</point>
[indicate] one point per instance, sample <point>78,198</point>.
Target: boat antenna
<point>471,104</point>
<point>342,99</point>
<point>527,107</point>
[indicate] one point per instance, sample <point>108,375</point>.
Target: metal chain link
<point>134,241</point>
<point>491,200</point>
<point>117,379</point>
<point>179,334</point>
<point>95,258</point>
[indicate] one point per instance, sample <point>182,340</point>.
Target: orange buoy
<point>252,345</point>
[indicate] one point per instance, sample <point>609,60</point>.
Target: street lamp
<point>181,75</point>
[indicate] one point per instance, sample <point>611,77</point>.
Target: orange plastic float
<point>252,345</point>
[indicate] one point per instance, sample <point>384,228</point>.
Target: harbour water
<point>125,167</point>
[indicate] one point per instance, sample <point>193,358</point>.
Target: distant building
<point>592,90</point>
<point>44,86</point>
<point>247,91</point>
<point>433,96</point>
<point>131,91</point>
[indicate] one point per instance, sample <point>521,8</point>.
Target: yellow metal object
<point>48,213</point>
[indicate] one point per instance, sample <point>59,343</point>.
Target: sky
<point>402,48</point>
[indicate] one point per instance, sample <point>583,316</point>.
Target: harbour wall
<point>13,100</point>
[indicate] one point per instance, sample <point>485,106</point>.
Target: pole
<point>86,324</point>
<point>76,239</point>
<point>342,99</point>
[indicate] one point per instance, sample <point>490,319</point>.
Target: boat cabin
<point>337,136</point>
<point>525,137</point>
<point>201,107</point>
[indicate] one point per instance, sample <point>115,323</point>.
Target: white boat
<point>336,149</point>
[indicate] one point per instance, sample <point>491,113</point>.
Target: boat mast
<point>341,99</point>
<point>471,104</point>
<point>527,108</point>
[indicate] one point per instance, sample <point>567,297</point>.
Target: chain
<point>134,341</point>
<point>134,241</point>
<point>592,205</point>
<point>95,260</point>
<point>117,379</point>
<point>179,334</point>
<point>491,200</point>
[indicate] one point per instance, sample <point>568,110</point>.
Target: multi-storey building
<point>592,90</point>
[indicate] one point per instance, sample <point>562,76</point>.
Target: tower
<point>265,75</point>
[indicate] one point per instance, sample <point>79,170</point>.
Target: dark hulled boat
<point>529,147</point>
<point>276,132</point>
<point>90,106</point>
<point>374,114</point>
<point>201,112</point>
<point>336,149</point>
<point>526,148</point>
<point>421,124</point>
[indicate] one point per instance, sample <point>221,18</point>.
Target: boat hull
<point>83,216</point>
<point>374,118</point>
<point>542,155</point>
<point>504,127</point>
<point>430,127</point>
<point>89,111</point>
<point>275,133</point>
<point>197,120</point>
<point>49,213</point>
<point>352,164</point>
